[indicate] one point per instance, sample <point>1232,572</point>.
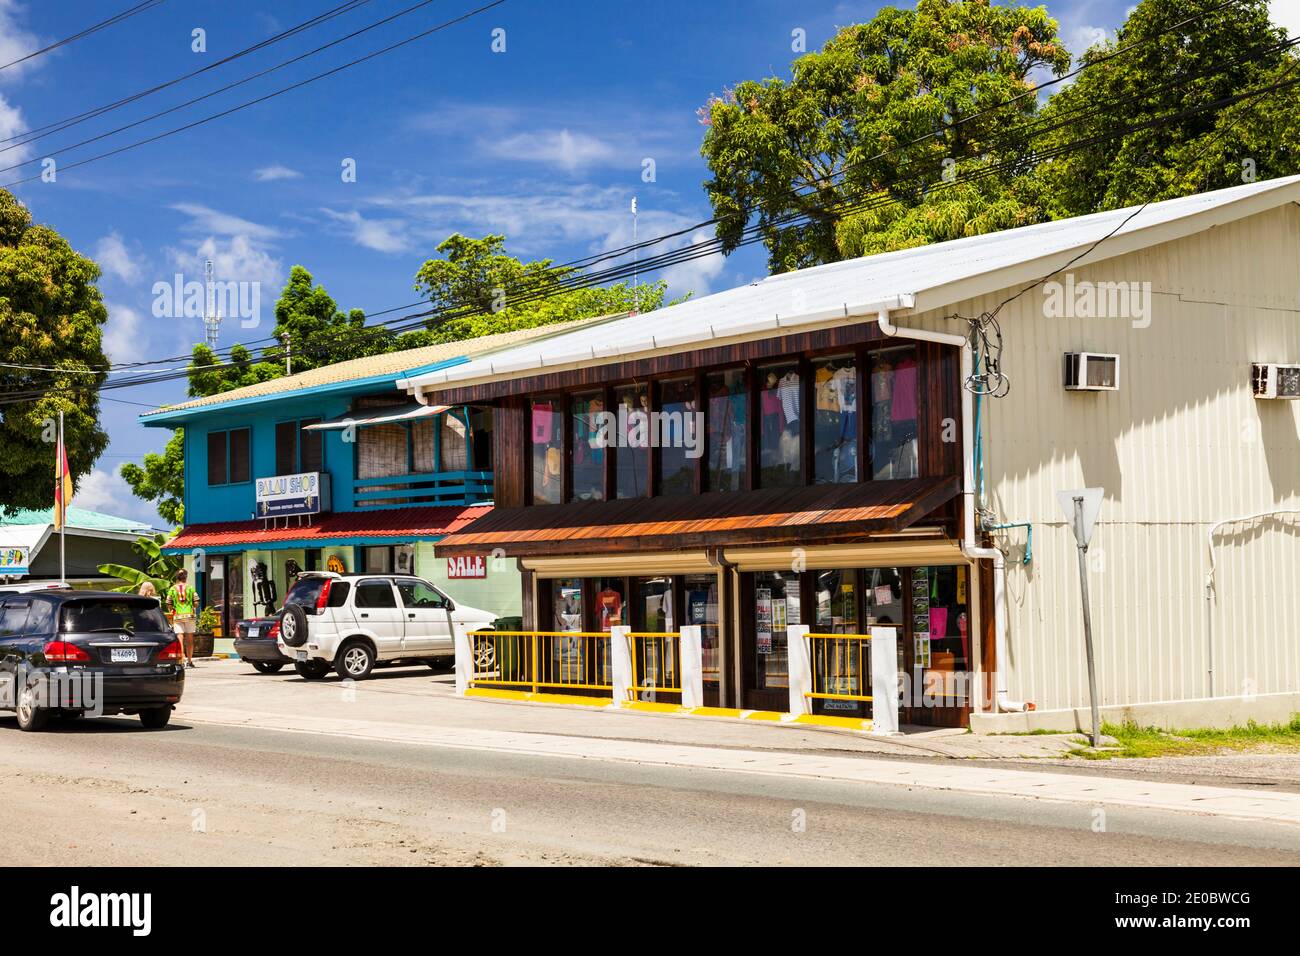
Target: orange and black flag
<point>62,486</point>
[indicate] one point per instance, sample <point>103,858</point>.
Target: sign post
<point>1081,508</point>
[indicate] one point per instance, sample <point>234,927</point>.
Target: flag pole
<point>62,505</point>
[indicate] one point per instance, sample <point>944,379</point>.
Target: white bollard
<point>464,657</point>
<point>884,680</point>
<point>796,636</point>
<point>620,653</point>
<point>692,665</point>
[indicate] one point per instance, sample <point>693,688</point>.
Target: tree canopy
<point>1220,55</point>
<point>51,314</point>
<point>873,110</point>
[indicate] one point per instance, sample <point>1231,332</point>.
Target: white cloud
<point>563,148</point>
<point>12,124</point>
<point>15,42</point>
<point>115,259</point>
<point>269,174</point>
<point>1286,14</point>
<point>381,235</point>
<point>125,339</point>
<point>535,223</point>
<point>204,219</point>
<point>107,491</point>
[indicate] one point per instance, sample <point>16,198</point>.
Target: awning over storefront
<point>378,416</point>
<point>719,519</point>
<point>377,527</point>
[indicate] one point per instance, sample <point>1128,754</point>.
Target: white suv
<point>355,621</point>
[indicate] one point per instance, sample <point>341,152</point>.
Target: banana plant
<point>158,567</point>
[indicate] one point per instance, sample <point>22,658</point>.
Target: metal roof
<point>388,364</point>
<point>924,278</point>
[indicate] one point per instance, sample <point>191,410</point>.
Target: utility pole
<point>1081,508</point>
<point>62,504</point>
<point>288,354</point>
<point>634,249</point>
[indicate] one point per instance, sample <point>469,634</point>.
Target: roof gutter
<point>969,545</point>
<point>515,364</point>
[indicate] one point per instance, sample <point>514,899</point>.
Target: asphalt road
<point>105,792</point>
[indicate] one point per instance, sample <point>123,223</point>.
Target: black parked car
<point>256,643</point>
<point>92,653</point>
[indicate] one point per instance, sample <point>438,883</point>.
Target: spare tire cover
<point>293,625</point>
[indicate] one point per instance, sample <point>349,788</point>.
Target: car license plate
<point>253,631</point>
<point>302,655</point>
<point>122,655</point>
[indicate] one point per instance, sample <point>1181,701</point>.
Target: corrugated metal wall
<point>1180,446</point>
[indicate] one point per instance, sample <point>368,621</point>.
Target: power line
<point>261,99</point>
<point>1070,116</point>
<point>40,132</point>
<point>94,28</point>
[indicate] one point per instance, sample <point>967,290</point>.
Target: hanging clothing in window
<point>788,389</point>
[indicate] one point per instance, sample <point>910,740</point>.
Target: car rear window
<point>306,592</point>
<point>13,617</point>
<point>82,617</point>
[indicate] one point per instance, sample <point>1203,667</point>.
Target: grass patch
<point>1135,741</point>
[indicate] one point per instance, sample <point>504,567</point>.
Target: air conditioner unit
<point>1091,372</point>
<point>1268,380</point>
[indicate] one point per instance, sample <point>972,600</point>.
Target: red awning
<point>341,528</point>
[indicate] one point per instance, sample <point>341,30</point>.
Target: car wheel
<point>266,667</point>
<point>485,655</point>
<point>355,661</point>
<point>293,625</point>
<point>31,717</point>
<point>311,670</point>
<point>156,717</point>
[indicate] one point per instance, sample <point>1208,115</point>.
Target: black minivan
<point>87,653</point>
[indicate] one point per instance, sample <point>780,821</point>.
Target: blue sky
<point>544,142</point>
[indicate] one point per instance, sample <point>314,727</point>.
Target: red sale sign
<point>471,566</point>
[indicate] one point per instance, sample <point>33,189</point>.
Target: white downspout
<point>969,546</point>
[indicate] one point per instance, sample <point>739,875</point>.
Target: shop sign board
<point>284,496</point>
<point>14,560</point>
<point>467,567</point>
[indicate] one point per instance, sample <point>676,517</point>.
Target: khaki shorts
<point>183,626</point>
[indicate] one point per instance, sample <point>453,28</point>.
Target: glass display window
<point>585,412</point>
<point>632,459</point>
<point>677,435</point>
<point>547,437</point>
<point>894,395</point>
<point>701,609</point>
<point>835,419</point>
<point>776,606</point>
<point>728,436</point>
<point>780,460</point>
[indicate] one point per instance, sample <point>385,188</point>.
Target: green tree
<point>157,567</point>
<point>475,280</point>
<point>1222,54</point>
<point>162,479</point>
<point>51,314</point>
<point>847,124</point>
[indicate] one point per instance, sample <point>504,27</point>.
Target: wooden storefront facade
<point>824,490</point>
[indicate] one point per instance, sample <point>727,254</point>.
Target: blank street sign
<point>1091,506</point>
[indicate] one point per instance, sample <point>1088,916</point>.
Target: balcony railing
<point>427,488</point>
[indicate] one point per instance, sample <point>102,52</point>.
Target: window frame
<point>226,440</point>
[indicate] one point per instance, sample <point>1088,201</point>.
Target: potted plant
<point>208,622</point>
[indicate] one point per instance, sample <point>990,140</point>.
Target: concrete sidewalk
<point>411,707</point>
<point>426,699</point>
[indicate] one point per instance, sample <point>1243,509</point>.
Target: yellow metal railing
<point>656,662</point>
<point>841,666</point>
<point>537,660</point>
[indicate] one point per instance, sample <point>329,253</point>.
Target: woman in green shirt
<point>182,602</point>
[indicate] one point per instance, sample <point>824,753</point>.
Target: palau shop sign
<point>286,495</point>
